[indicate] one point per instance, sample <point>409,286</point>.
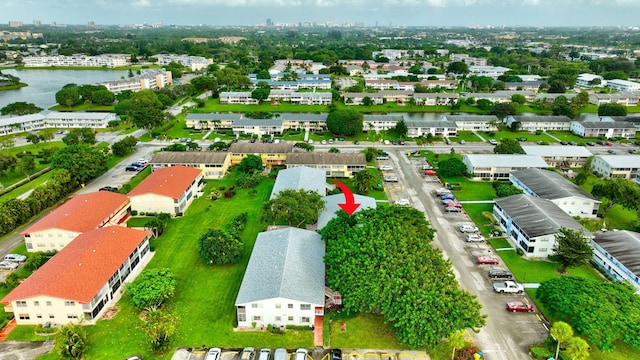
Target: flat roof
<point>607,125</point>
<point>537,217</point>
<point>557,150</point>
<point>506,160</point>
<point>624,246</point>
<point>549,184</point>
<point>189,157</point>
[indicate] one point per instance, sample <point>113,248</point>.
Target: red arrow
<point>350,207</point>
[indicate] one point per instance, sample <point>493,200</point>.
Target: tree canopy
<point>364,181</point>
<point>603,311</point>
<point>508,146</point>
<point>382,261</point>
<point>612,110</point>
<point>452,167</point>
<point>250,164</point>
<point>82,162</point>
<point>293,207</point>
<point>220,247</point>
<point>572,248</point>
<point>345,122</point>
<point>502,110</point>
<point>20,108</point>
<point>151,288</point>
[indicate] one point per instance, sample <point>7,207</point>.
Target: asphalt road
<point>506,336</point>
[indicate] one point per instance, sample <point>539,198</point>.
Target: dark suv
<point>500,274</point>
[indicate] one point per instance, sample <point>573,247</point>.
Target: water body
<point>43,84</point>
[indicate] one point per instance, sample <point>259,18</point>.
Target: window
<point>256,318</point>
<point>242,317</point>
<point>69,303</point>
<point>305,319</point>
<point>305,306</point>
<point>278,318</point>
<point>254,305</point>
<point>278,306</point>
<point>36,303</point>
<point>290,318</point>
<point>23,316</point>
<point>48,303</point>
<point>38,316</point>
<point>51,316</point>
<point>21,303</point>
<point>290,306</point>
<point>72,316</point>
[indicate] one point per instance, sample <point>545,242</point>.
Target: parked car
<point>462,142</point>
<point>265,354</point>
<point>137,164</point>
<point>601,143</point>
<point>572,143</point>
<point>213,354</point>
<point>493,142</point>
<point>442,191</point>
<point>499,274</point>
<point>323,142</point>
<point>518,306</point>
<point>385,167</point>
<point>108,188</point>
<point>522,139</point>
<point>142,161</point>
<point>248,353</point>
<point>611,151</point>
<point>301,354</point>
<point>356,142</point>
<point>466,228</point>
<point>390,178</point>
<point>132,168</point>
<point>8,265</point>
<point>448,197</point>
<point>487,260</point>
<point>453,204</point>
<point>474,238</point>
<point>564,143</point>
<point>402,202</point>
<point>382,157</point>
<point>280,354</point>
<point>508,287</point>
<point>430,173</point>
<point>633,151</point>
<point>452,209</point>
<point>15,258</point>
<point>590,143</point>
<point>335,354</point>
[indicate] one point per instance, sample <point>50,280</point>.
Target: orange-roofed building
<point>78,215</point>
<point>168,190</point>
<point>83,279</point>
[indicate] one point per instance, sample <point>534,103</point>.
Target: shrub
<point>134,212</point>
<point>298,327</point>
<point>538,352</point>
<point>274,329</point>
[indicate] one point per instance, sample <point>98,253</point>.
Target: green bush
<point>539,352</point>
<point>298,327</point>
<point>134,212</point>
<point>274,330</point>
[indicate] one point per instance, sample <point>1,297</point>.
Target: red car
<point>519,306</point>
<point>487,260</point>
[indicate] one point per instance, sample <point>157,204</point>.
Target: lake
<point>43,84</point>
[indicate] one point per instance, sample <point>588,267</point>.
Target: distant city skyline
<point>366,12</point>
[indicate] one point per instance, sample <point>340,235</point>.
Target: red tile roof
<point>81,268</point>
<point>171,181</point>
<point>81,213</point>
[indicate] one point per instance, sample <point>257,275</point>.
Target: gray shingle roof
<point>315,158</point>
<point>621,161</point>
<point>260,148</point>
<point>557,150</point>
<point>258,122</point>
<point>300,178</point>
<point>367,118</point>
<point>537,217</point>
<point>470,118</point>
<point>540,118</point>
<point>607,125</point>
<point>624,246</point>
<point>549,184</point>
<point>431,124</point>
<point>506,160</point>
<point>286,263</point>
<point>189,157</point>
<point>331,206</point>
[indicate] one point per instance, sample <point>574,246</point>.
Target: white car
<point>213,354</point>
<point>466,228</point>
<point>390,178</point>
<point>15,258</point>
<point>301,354</point>
<point>402,202</point>
<point>475,238</point>
<point>385,167</point>
<point>142,161</point>
<point>8,265</point>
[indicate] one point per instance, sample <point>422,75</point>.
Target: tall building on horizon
<point>269,22</point>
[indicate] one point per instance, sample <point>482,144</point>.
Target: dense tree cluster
<point>603,311</point>
<point>20,108</point>
<point>151,288</point>
<point>293,207</point>
<point>345,122</point>
<point>382,261</point>
<point>224,246</point>
<point>572,248</point>
<point>508,146</point>
<point>81,161</point>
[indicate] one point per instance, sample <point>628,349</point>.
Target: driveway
<point>506,336</point>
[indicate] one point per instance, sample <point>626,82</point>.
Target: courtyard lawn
<point>465,189</point>
<point>467,136</point>
<point>506,134</point>
<point>568,136</point>
<point>9,178</point>
<point>26,187</point>
<point>205,294</point>
<point>364,331</point>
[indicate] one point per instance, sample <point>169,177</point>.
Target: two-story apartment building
<point>167,190</point>
<point>334,165</point>
<point>532,123</point>
<point>499,166</point>
<point>618,254</point>
<point>284,280</point>
<point>416,128</point>
<point>554,187</point>
<point>608,129</point>
<point>560,156</point>
<point>473,122</point>
<point>82,280</point>
<point>531,223</point>
<point>273,154</point>
<point>213,164</point>
<point>80,214</point>
<point>617,166</point>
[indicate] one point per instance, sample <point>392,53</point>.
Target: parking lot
<point>507,335</point>
<point>314,354</point>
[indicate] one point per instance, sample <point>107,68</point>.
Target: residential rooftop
<point>170,181</point>
<point>549,184</point>
<point>624,246</point>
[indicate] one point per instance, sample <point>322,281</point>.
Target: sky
<point>368,12</point>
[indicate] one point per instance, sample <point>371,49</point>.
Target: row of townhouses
<point>54,120</point>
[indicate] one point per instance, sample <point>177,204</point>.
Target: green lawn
<point>11,177</point>
<point>205,294</point>
<point>26,187</point>
<point>465,189</point>
<point>364,331</point>
<point>505,134</point>
<point>84,107</point>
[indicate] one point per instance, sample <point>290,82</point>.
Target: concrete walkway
<point>479,136</point>
<point>551,136</point>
